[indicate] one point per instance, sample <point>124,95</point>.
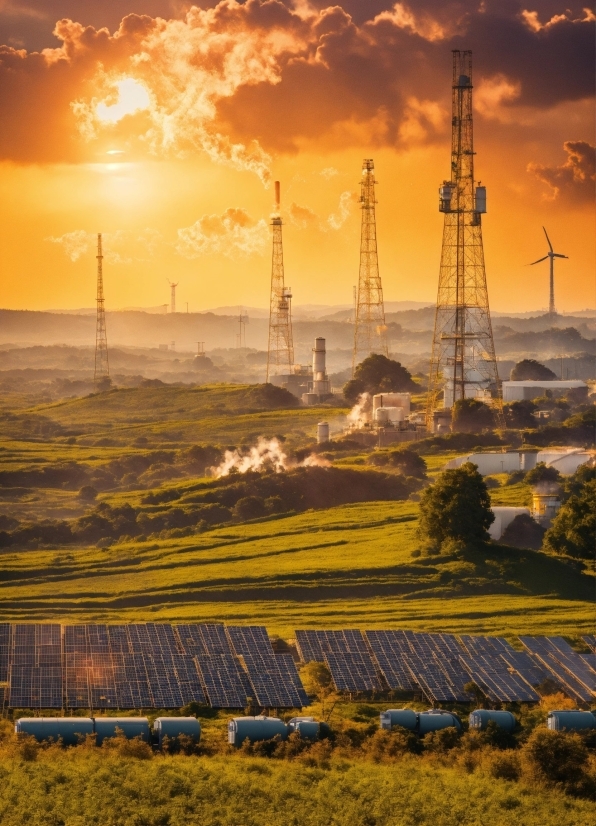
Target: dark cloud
<point>277,73</point>
<point>575,179</point>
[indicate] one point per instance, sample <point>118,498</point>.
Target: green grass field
<point>344,566</point>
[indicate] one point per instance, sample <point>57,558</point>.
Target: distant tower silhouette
<point>370,332</point>
<point>241,334</point>
<point>280,351</point>
<point>102,367</point>
<point>551,255</point>
<point>463,362</point>
<point>172,295</point>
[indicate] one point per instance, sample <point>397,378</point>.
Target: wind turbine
<point>550,255</point>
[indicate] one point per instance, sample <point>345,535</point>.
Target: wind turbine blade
<point>538,262</point>
<point>558,255</point>
<point>548,239</point>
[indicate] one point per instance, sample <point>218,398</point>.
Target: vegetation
<point>472,416</point>
<point>456,508</point>
<point>542,473</point>
<point>523,532</point>
<point>573,531</point>
<point>531,370</point>
<point>379,374</point>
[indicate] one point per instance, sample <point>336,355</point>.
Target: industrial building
<point>516,391</point>
<point>566,460</point>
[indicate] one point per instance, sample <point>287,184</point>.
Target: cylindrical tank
<point>318,358</point>
<point>255,729</point>
<point>381,416</point>
<point>307,726</point>
<point>480,199</point>
<point>71,730</point>
<point>404,717</point>
<point>130,727</point>
<point>173,727</point>
<point>394,414</point>
<point>480,719</point>
<point>403,400</point>
<point>322,432</point>
<point>570,720</point>
<point>310,398</point>
<point>436,719</point>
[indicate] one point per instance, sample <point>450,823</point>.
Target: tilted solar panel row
<point>590,640</point>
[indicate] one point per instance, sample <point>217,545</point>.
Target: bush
<point>441,741</point>
<point>472,416</point>
<point>456,507</point>
<point>542,473</point>
<point>555,756</point>
<point>506,766</point>
<point>384,745</point>
<point>531,370</point>
<point>573,531</point>
<point>249,507</point>
<point>523,532</point>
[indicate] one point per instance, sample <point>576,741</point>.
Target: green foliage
<point>506,766</point>
<point>456,507</point>
<point>573,531</point>
<point>555,756</point>
<point>406,461</point>
<point>523,532</point>
<point>542,473</point>
<point>531,370</point>
<point>520,415</point>
<point>441,741</point>
<point>249,507</point>
<point>379,374</point>
<point>472,416</point>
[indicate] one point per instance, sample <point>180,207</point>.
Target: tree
<point>353,389</point>
<point>520,415</point>
<point>523,532</point>
<point>409,462</point>
<point>249,507</point>
<point>573,531</point>
<point>542,473</point>
<point>456,507</point>
<point>380,374</point>
<point>531,370</point>
<point>472,416</point>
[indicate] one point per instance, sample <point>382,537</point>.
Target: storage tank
<point>322,432</point>
<point>173,727</point>
<point>307,726</point>
<point>71,730</point>
<point>404,717</point>
<point>570,720</point>
<point>480,719</point>
<point>130,727</point>
<point>402,400</point>
<point>436,719</point>
<point>255,729</point>
<point>381,415</point>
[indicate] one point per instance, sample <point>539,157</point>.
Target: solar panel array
<point>146,665</point>
<point>440,665</point>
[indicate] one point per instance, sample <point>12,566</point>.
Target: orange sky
<point>165,131</point>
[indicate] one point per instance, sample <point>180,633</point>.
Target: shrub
<point>505,766</point>
<point>472,416</point>
<point>249,507</point>
<point>531,370</point>
<point>523,532</point>
<point>542,473</point>
<point>441,741</point>
<point>387,745</point>
<point>555,756</point>
<point>573,531</point>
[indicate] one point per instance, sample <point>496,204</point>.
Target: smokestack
<point>277,196</point>
<point>318,360</point>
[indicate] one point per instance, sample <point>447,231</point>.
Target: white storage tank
<point>322,432</point>
<point>402,400</point>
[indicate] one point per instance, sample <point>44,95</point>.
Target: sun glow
<point>131,97</point>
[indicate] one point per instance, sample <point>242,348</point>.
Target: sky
<point>163,125</point>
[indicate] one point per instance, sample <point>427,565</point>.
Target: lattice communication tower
<point>172,296</point>
<point>280,351</point>
<point>102,367</point>
<point>370,331</point>
<point>463,362</point>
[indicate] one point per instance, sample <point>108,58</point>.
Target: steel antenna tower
<point>280,351</point>
<point>102,367</point>
<point>551,255</point>
<point>463,361</point>
<point>370,332</point>
<point>172,295</point>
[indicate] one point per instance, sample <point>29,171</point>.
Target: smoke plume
<point>266,454</point>
<point>362,410</point>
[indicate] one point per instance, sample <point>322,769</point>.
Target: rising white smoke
<point>267,453</point>
<point>362,410</point>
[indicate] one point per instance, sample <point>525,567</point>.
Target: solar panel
<point>577,666</point>
<point>249,640</point>
<point>309,647</point>
<point>527,666</point>
<point>390,659</point>
<point>352,671</point>
<point>496,681</point>
<point>274,680</point>
<point>225,682</point>
<point>590,640</point>
<point>35,666</point>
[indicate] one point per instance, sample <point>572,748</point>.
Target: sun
<point>132,97</point>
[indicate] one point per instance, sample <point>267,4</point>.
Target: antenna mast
<point>463,361</point>
<point>102,367</point>
<point>370,332</point>
<point>173,296</point>
<point>280,351</point>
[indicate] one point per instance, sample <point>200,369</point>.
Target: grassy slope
<point>350,565</point>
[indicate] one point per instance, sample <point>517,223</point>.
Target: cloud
<point>575,179</point>
<point>302,217</point>
<point>337,219</point>
<point>233,234</point>
<point>492,93</point>
<point>119,247</point>
<point>242,81</point>
<point>329,172</point>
